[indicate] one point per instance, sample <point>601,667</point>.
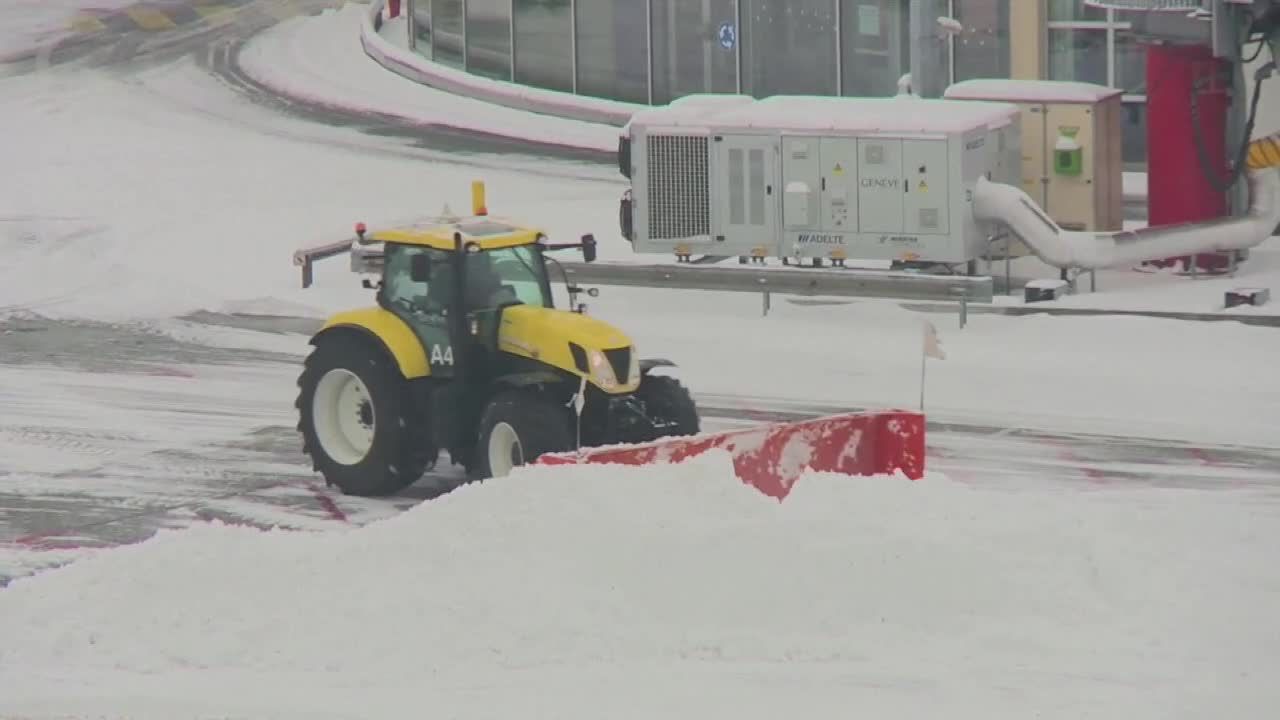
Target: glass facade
<point>789,47</point>
<point>875,47</point>
<point>489,38</point>
<point>1089,44</point>
<point>695,48</point>
<point>654,51</point>
<point>542,55</point>
<point>981,50</point>
<point>612,49</point>
<point>448,30</point>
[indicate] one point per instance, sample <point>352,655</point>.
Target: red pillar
<point>1177,189</point>
<point>393,8</point>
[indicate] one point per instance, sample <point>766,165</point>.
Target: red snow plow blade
<point>771,458</point>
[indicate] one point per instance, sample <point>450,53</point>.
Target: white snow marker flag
<point>932,349</point>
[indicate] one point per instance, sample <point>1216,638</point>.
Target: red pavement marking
<point>328,504</point>
<point>1204,458</point>
<point>51,541</point>
<point>1067,454</point>
<point>170,372</point>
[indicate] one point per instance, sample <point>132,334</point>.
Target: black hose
<point>1202,152</point>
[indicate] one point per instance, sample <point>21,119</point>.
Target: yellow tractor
<point>466,352</point>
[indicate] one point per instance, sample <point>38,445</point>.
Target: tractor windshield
<point>515,274</point>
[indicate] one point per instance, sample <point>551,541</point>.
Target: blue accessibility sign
<point>728,35</point>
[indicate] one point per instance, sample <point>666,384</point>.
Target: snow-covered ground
<point>180,197</point>
<point>342,74</point>
<point>578,592</point>
<point>639,593</point>
<point>26,26</point>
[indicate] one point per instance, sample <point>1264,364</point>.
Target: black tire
<point>399,453</point>
<point>540,424</point>
<point>667,400</point>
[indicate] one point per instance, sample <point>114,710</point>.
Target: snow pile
<point>579,589</point>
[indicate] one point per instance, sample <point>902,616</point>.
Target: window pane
<point>694,48</point>
<point>422,26</point>
<point>877,46</point>
<point>1074,10</point>
<point>1079,55</point>
<point>1133,126</point>
<point>521,270</point>
<point>489,38</point>
<point>789,47</point>
<point>446,23</point>
<point>544,44</point>
<point>982,48</point>
<point>1131,63</point>
<point>613,50</point>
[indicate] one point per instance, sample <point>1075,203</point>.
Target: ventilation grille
<point>679,200</point>
<point>929,218</point>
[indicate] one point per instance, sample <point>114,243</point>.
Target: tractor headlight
<point>601,371</point>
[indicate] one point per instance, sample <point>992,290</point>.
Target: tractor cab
<point>451,281</point>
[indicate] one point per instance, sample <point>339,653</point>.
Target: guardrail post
<point>964,305</point>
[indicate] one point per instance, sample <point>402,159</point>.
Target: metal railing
<point>961,289</point>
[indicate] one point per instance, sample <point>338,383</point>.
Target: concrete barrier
<point>413,66</point>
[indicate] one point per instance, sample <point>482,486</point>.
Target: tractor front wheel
<point>517,427</point>
<point>667,401</point>
<point>356,419</point>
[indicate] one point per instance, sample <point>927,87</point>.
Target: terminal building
<point>653,51</point>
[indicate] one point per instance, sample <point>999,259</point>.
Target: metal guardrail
<point>961,289</point>
<point>839,283</point>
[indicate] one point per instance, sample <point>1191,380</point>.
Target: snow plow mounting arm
<point>363,260</point>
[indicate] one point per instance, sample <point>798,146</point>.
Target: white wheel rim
<point>504,448</point>
<point>342,412</point>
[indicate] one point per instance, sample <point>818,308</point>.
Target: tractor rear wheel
<point>357,420</point>
<point>516,428</point>
<point>668,401</point>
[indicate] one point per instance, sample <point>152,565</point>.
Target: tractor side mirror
<point>420,268</point>
<point>589,248</point>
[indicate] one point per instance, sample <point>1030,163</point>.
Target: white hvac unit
<point>814,177</point>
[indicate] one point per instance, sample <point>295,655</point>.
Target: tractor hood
<point>573,342</point>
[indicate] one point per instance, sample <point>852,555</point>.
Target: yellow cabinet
<point>1071,155</point>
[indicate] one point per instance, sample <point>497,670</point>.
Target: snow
<point>1135,186</point>
<point>419,68</point>
<point>27,26</point>
<point>843,114</point>
<point>1161,290</point>
<point>564,591</point>
<point>396,31</point>
<point>128,218</point>
<point>136,415</point>
<point>286,59</point>
<point>1027,91</point>
<point>1116,375</point>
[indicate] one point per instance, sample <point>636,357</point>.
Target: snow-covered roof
<point>690,110</point>
<point>1030,91</point>
<point>904,114</point>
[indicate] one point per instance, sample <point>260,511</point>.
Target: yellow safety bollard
<point>477,198</point>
